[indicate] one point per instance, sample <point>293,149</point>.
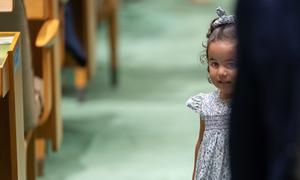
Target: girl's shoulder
<point>196,102</point>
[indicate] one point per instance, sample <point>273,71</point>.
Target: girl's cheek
<point>233,76</point>
<point>234,73</point>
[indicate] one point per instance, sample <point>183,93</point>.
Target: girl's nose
<point>222,72</point>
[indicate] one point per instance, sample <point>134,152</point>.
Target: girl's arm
<point>201,132</point>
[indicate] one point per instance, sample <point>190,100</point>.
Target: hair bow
<point>223,18</point>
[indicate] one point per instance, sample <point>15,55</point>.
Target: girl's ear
<point>208,76</point>
<point>209,79</point>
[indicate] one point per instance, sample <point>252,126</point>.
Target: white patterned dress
<point>213,156</point>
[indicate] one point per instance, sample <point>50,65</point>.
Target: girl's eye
<point>214,64</point>
<point>231,65</point>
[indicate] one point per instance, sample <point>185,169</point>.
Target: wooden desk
<point>12,154</point>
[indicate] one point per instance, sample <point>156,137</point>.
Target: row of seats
<point>33,52</point>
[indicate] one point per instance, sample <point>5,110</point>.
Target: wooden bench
<point>44,32</point>
<point>12,156</point>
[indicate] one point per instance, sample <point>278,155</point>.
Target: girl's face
<point>222,66</point>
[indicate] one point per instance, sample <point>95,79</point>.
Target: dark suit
<point>266,103</point>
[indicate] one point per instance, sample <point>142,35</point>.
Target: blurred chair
<point>44,30</point>
<point>84,26</point>
<point>107,11</point>
<point>88,13</point>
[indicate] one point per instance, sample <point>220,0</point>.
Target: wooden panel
<point>37,9</point>
<point>12,154</point>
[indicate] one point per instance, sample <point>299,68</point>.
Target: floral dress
<point>213,156</point>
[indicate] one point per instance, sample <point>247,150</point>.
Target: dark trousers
<point>72,42</point>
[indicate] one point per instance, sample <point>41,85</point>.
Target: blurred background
<point>141,129</point>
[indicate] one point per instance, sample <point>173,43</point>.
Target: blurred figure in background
<point>72,42</point>
<point>266,104</point>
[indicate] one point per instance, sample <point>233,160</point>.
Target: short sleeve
<point>195,103</point>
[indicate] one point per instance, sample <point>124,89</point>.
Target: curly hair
<point>222,32</point>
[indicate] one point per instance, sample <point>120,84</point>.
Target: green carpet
<point>140,130</point>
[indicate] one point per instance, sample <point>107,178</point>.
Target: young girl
<point>212,148</point>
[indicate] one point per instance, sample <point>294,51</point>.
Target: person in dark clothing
<point>71,40</point>
<point>266,103</point>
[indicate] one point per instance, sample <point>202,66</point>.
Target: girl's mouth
<point>224,82</point>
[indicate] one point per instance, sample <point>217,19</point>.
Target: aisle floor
<point>140,130</point>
